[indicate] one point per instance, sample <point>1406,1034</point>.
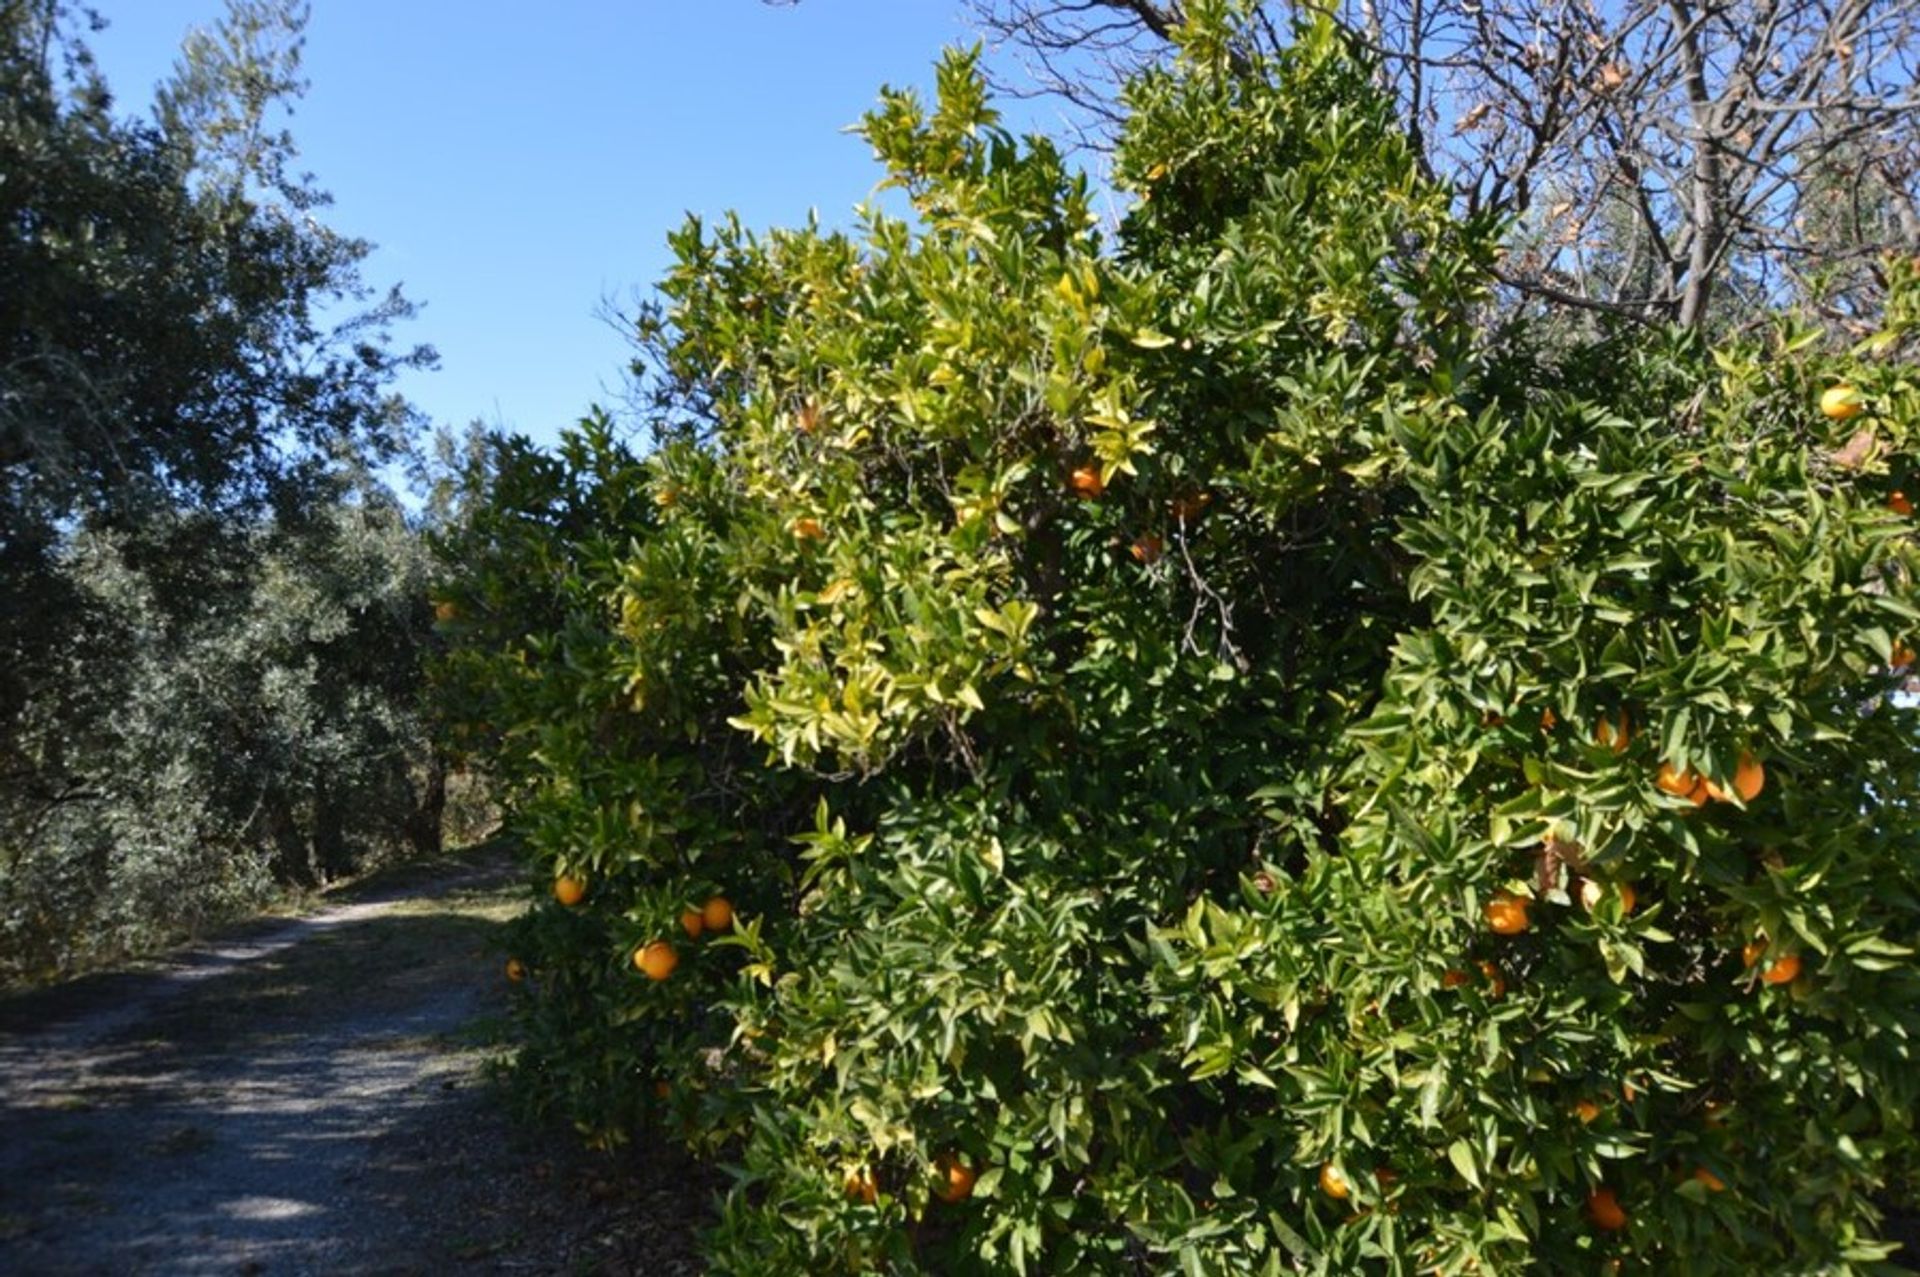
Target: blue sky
<point>517,163</point>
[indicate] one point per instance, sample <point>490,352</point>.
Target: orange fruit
<point>1751,951</point>
<point>1592,892</point>
<point>1604,1209</point>
<point>1507,914</point>
<point>1784,969</point>
<point>1841,403</point>
<point>1713,1182</point>
<point>1614,734</point>
<point>1496,983</point>
<point>717,913</point>
<point>1454,978</point>
<point>1147,549</point>
<point>808,529</point>
<point>657,958</point>
<point>569,890</point>
<point>953,1179</point>
<point>1901,656</point>
<point>1749,778</point>
<point>1586,1111</point>
<point>516,970</point>
<point>692,921</point>
<point>1333,1183</point>
<point>1900,504</point>
<point>1086,482</point>
<point>861,1188</point>
<point>1682,783</point>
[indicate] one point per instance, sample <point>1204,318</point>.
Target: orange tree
<point>1223,757</point>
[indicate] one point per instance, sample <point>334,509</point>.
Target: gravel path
<point>308,1099</point>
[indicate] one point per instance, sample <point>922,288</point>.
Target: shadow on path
<point>305,1100</point>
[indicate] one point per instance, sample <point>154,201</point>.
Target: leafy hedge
<point>1180,722</point>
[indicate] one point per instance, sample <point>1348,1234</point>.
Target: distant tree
<point>1662,157</point>
<point>214,613</point>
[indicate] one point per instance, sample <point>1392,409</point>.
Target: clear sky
<point>517,163</point>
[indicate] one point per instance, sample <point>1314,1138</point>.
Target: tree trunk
<point>292,856</point>
<point>330,834</point>
<point>424,826</point>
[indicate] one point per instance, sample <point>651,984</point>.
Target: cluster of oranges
<point>1506,913</point>
<point>953,1181</point>
<point>659,959</point>
<point>1749,778</point>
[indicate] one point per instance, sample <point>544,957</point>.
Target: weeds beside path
<point>307,1096</point>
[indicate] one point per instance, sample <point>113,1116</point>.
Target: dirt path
<point>306,1099</point>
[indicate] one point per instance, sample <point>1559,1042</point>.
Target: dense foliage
<point>1216,763</point>
<point>211,648</point>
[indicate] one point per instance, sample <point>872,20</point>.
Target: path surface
<point>307,1099</point>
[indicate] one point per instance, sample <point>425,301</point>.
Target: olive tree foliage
<point>1664,160</point>
<point>214,612</point>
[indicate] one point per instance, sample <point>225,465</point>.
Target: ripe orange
<point>953,1179</point>
<point>1586,1111</point>
<point>1841,403</point>
<point>1592,892</point>
<point>717,913</point>
<point>1751,951</point>
<point>569,890</point>
<point>1682,783</point>
<point>861,1188</point>
<point>1496,983</point>
<point>1454,978</point>
<point>516,970</point>
<point>692,922</point>
<point>808,529</point>
<point>1614,733</point>
<point>1749,778</point>
<point>1900,504</point>
<point>1333,1183</point>
<point>1086,482</point>
<point>1901,656</point>
<point>1147,549</point>
<point>1604,1209</point>
<point>1507,914</point>
<point>1713,1182</point>
<point>657,958</point>
<point>1784,969</point>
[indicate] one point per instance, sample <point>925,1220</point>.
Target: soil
<point>312,1096</point>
